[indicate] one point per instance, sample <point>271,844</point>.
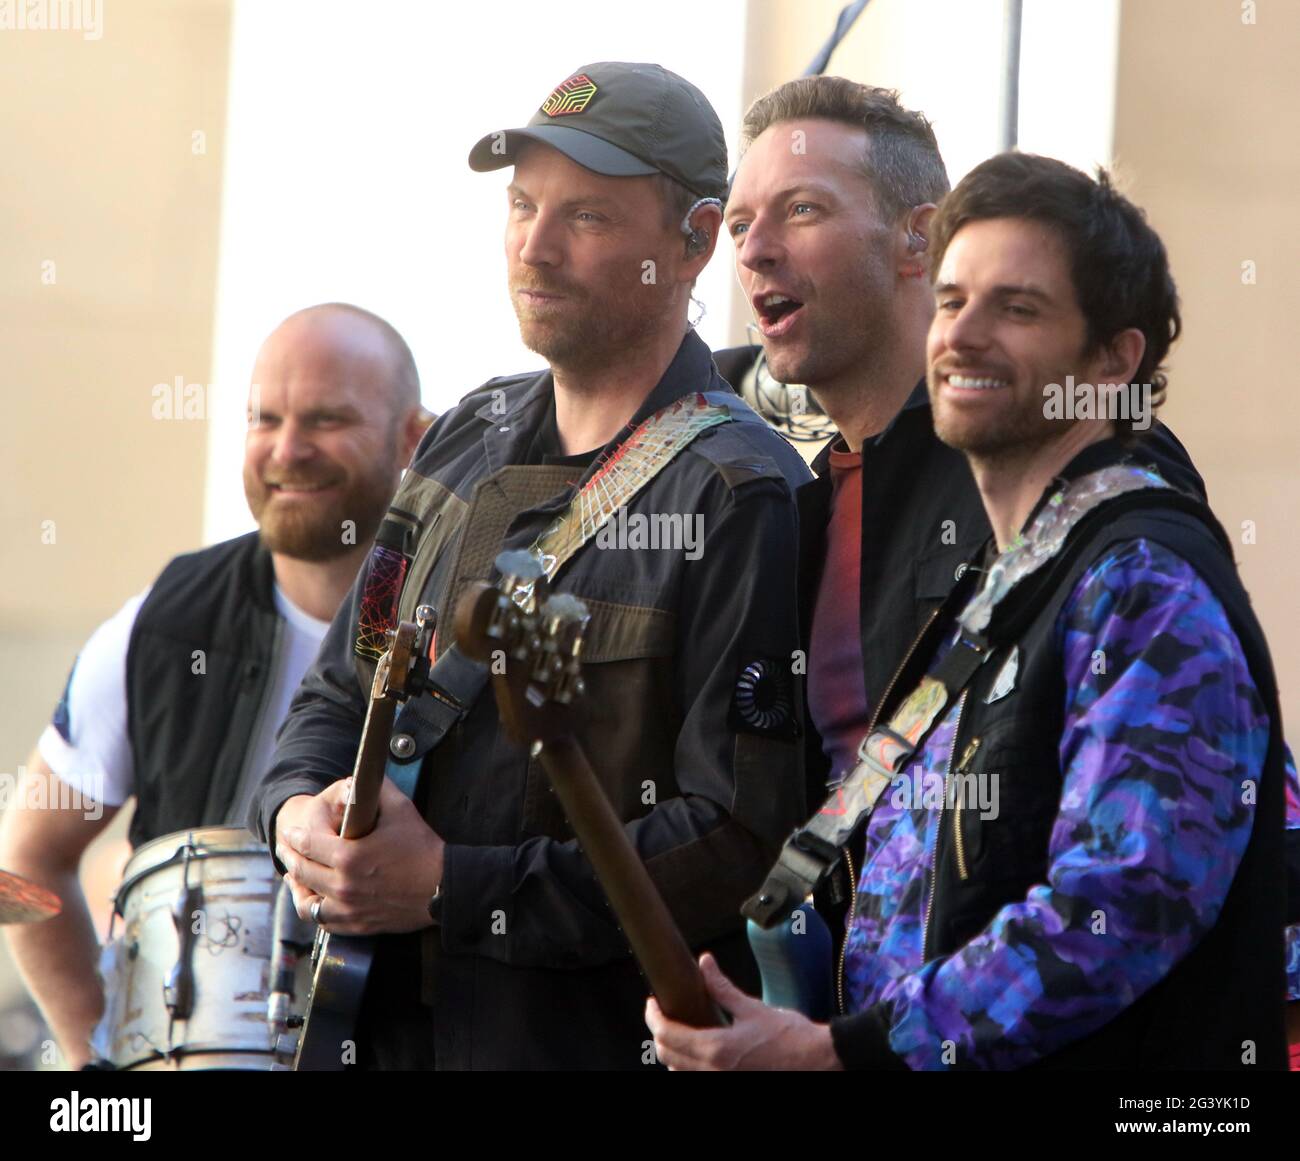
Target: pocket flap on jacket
<point>620,632</point>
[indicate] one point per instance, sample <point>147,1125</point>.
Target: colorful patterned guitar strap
<point>649,448</point>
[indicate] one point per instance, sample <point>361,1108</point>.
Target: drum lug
<point>178,988</point>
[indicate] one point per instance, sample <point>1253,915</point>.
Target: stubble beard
<point>831,360</point>
<point>597,330</point>
<point>839,351</point>
<point>1015,437</point>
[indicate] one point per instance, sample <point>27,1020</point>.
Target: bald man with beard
<point>334,415</point>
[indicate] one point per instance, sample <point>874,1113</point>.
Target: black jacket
<point>527,968</point>
<point>921,520</point>
<point>197,669</point>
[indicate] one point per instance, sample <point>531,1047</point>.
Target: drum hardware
<point>291,944</point>
<point>178,990</point>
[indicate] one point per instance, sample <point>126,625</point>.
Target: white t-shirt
<point>87,744</point>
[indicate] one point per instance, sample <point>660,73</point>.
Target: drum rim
<point>176,1059</point>
<point>207,842</point>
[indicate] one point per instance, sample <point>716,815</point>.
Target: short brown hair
<point>902,163</point>
<point>675,197</point>
<point>1118,263</point>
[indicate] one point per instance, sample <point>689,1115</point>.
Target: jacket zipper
<point>962,767</point>
<point>848,927</point>
<point>938,833</point>
<point>848,855</point>
<point>246,759</point>
<point>907,657</point>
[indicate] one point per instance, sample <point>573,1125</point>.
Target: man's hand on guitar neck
<point>758,1037</point>
<point>378,884</point>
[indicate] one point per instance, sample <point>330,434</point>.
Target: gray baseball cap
<point>623,120</point>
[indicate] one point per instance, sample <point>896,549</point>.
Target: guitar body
<point>340,967</point>
<point>794,958</point>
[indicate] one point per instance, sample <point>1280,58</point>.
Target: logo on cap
<point>571,96</point>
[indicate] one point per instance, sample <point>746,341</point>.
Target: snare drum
<point>186,981</point>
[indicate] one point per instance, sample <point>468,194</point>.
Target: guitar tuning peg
<point>523,578</point>
<point>566,622</point>
<point>519,565</point>
<point>426,616</point>
<point>566,608</point>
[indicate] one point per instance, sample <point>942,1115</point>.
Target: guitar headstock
<point>531,640</point>
<point>393,669</point>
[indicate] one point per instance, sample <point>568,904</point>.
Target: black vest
<point>1229,989</point>
<point>197,673</point>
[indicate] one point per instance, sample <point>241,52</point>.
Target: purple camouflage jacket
<point>1027,984</point>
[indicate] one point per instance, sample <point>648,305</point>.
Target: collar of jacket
<point>1094,457</point>
<point>911,428</point>
<point>508,434</point>
<point>259,576</point>
<point>920,398</point>
<point>907,440</point>
<point>1103,454</point>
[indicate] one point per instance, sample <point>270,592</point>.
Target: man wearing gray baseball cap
<point>651,491</point>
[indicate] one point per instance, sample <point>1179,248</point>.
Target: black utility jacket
<point>527,968</point>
